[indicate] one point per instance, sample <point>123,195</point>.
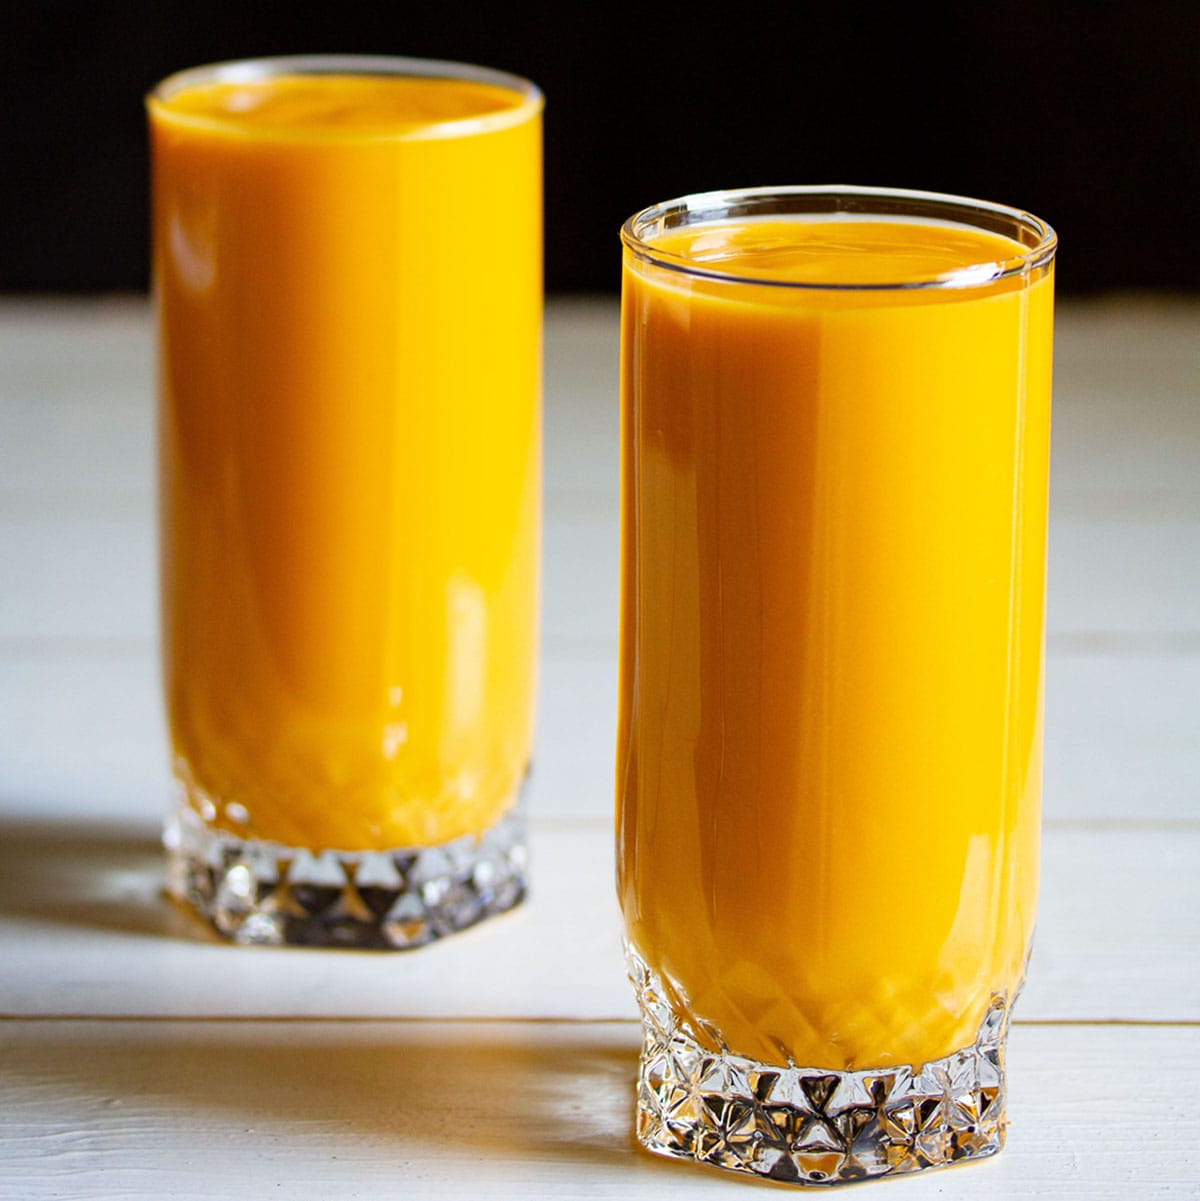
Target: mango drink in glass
<point>347,269</point>
<point>835,433</point>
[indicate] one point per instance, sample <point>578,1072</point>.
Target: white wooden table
<point>140,1059</point>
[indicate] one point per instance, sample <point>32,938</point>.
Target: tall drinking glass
<point>347,266</point>
<point>836,414</point>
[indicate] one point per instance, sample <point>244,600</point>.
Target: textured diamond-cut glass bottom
<point>266,893</point>
<point>809,1125</point>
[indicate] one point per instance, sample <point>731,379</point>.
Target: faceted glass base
<point>809,1125</point>
<point>269,894</point>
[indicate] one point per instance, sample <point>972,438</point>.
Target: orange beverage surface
<point>348,275</point>
<point>829,751</point>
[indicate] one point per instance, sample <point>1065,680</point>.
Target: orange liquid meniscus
<point>829,752</point>
<point>348,275</point>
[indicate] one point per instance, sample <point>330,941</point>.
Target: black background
<point>1086,114</point>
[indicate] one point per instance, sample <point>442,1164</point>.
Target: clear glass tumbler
<point>835,438</point>
<point>347,270</point>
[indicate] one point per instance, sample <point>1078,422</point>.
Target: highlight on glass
<point>835,439</point>
<point>348,281</point>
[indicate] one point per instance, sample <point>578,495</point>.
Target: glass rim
<point>252,70</point>
<point>703,208</point>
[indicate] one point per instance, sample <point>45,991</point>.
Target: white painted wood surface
<point>513,1110</point>
<point>139,1058</point>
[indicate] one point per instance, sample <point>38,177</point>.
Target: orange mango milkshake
<point>347,263</point>
<point>835,437</point>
